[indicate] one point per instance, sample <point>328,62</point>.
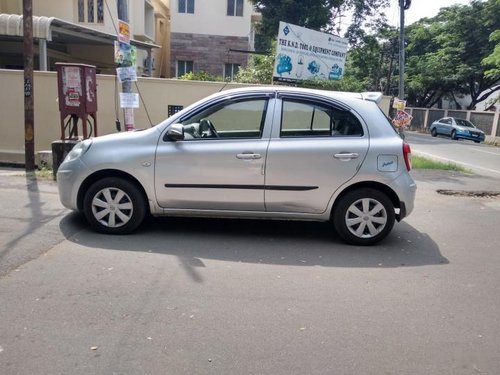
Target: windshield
<point>465,123</point>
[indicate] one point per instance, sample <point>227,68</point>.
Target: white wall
<point>210,18</point>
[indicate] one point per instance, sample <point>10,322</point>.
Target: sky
<point>419,9</point>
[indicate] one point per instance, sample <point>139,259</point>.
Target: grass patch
<point>421,162</point>
<point>44,172</point>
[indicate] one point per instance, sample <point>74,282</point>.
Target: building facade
<point>172,37</point>
<point>84,31</point>
<point>210,36</point>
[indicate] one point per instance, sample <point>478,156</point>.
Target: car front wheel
<point>364,216</point>
<point>434,132</point>
<point>454,135</point>
<point>114,206</point>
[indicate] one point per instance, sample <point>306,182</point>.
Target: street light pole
<point>402,7</point>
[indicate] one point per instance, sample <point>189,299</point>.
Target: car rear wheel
<point>364,216</point>
<point>453,134</point>
<point>114,206</point>
<point>434,132</point>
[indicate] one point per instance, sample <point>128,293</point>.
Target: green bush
<point>201,76</point>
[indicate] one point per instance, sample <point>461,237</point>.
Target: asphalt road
<point>481,158</point>
<point>249,297</point>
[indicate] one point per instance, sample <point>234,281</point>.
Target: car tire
<point>477,141</point>
<point>454,135</point>
<point>434,132</point>
<point>363,217</point>
<point>114,205</point>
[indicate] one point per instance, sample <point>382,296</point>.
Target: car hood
<point>469,129</point>
<point>126,137</point>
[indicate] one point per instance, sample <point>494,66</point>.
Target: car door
<point>220,163</point>
<point>445,126</point>
<point>315,148</point>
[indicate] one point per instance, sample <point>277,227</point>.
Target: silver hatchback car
<point>262,152</point>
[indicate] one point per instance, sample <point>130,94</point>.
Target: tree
<point>317,15</point>
<point>373,61</point>
<point>446,54</point>
<point>492,61</point>
<point>428,65</point>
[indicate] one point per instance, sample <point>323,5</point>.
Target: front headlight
<point>79,149</point>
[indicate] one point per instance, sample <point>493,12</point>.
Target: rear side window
<point>311,119</point>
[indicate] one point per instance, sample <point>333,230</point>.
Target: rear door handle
<point>346,155</point>
<point>248,156</point>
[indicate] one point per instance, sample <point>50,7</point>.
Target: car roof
<point>339,95</point>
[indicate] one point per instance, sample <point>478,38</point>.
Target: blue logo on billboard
<point>284,64</point>
<point>286,30</point>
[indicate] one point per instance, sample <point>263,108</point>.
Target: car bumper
<point>69,177</point>
<point>406,189</point>
<point>470,137</point>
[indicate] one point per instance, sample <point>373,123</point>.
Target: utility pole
<point>403,5</point>
<point>29,132</point>
<point>128,113</point>
<point>401,91</point>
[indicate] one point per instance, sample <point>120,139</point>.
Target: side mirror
<point>175,132</point>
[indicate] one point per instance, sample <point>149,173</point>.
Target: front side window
<point>235,119</point>
<point>309,119</point>
<point>186,6</point>
<point>235,8</point>
<point>184,67</point>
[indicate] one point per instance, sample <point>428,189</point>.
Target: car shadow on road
<point>266,242</point>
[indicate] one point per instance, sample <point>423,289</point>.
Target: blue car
<point>457,128</point>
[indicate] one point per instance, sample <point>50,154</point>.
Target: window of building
<point>186,6</point>
<point>91,11</point>
<point>235,8</point>
<point>310,119</point>
<point>230,70</point>
<point>184,67</point>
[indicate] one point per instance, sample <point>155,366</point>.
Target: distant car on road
<point>457,128</point>
<point>275,153</point>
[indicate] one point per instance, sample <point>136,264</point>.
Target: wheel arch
<point>96,176</point>
<point>390,193</point>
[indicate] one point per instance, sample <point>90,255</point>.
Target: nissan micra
<point>261,152</point>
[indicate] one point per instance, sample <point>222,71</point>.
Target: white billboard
<point>303,54</point>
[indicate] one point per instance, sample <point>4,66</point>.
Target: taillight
<point>407,155</point>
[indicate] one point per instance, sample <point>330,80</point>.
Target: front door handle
<point>248,156</point>
<point>346,155</point>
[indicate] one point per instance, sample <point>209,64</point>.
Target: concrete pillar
<point>42,54</point>
<point>494,128</point>
<point>150,63</point>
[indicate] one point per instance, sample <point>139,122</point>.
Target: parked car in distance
<point>457,128</point>
<point>262,152</point>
